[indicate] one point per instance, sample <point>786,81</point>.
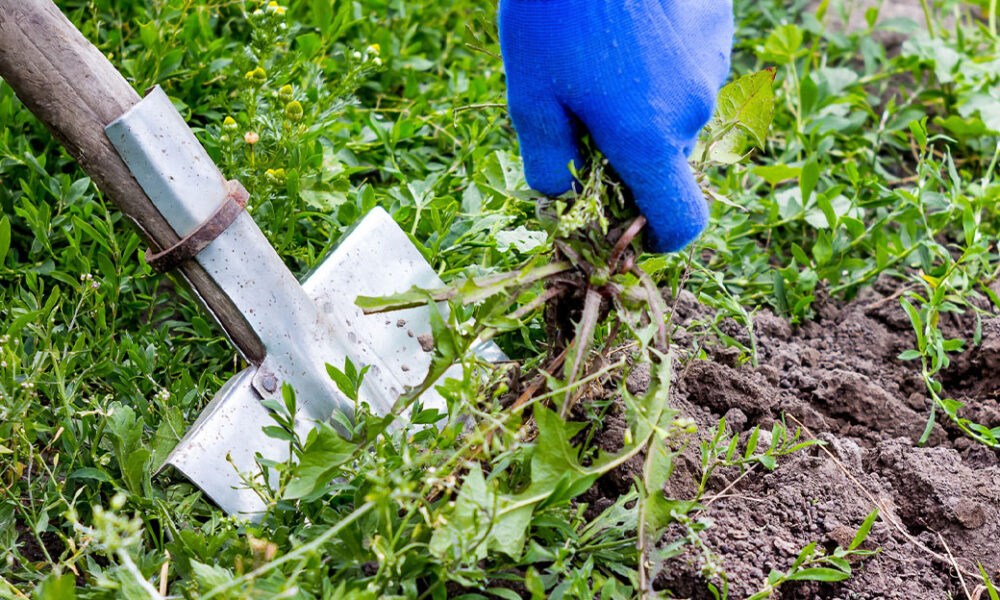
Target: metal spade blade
<point>303,327</point>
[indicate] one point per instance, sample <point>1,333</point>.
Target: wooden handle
<point>75,92</point>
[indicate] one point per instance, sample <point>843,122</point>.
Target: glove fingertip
<point>545,174</point>
<point>674,206</point>
<point>673,230</point>
<point>548,138</point>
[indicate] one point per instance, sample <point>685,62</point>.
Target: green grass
<point>876,165</point>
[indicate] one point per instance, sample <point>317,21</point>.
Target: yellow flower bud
<point>293,111</point>
<point>257,76</point>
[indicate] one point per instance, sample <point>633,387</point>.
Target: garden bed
<point>838,377</point>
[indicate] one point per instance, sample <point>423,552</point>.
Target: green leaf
<point>855,227</point>
<point>503,593</point>
<point>775,174</point>
<point>804,555</point>
<point>752,442</point>
<point>916,321</point>
<point>909,355</point>
<point>918,129</point>
<point>818,574</point>
<point>169,432</point>
<point>743,117</point>
<point>324,453</point>
<point>767,461</point>
<point>555,456</point>
<point>783,45</point>
<point>477,511</point>
<point>862,534</point>
<point>4,238</point>
<point>92,473</point>
<point>210,576</point>
<point>323,201</point>
<point>658,510</point>
<point>136,471</point>
<point>808,180</point>
<point>822,250</point>
<point>322,12</point>
<point>990,589</point>
<point>800,255</point>
<point>349,380</point>
<point>961,128</point>
<point>829,214</point>
<point>56,587</point>
<point>821,10</point>
<point>446,348</point>
<point>469,290</point>
<point>534,584</point>
<point>522,239</point>
<point>955,345</point>
<point>122,424</point>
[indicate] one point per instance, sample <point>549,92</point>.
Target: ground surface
<point>839,377</point>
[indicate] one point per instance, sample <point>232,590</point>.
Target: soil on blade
<point>838,377</point>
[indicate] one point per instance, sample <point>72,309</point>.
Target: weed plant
<point>879,163</point>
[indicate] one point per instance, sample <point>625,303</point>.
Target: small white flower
<point>275,8</point>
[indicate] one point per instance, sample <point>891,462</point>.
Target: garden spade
<point>143,155</point>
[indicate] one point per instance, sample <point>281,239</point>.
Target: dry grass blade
<point>955,565</point>
<point>581,345</point>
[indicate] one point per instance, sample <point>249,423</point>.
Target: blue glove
<point>641,76</point>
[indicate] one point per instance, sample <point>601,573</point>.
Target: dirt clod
<point>426,342</point>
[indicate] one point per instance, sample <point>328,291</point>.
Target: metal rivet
<point>270,383</point>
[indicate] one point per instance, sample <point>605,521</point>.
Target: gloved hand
<point>640,75</point>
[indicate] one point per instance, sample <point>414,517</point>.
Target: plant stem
<point>131,567</point>
<point>993,20</point>
<point>928,19</point>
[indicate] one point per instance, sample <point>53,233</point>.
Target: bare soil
<point>838,376</point>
